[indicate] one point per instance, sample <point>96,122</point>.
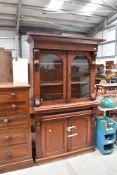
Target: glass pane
<point>51,78</point>
<point>80,77</point>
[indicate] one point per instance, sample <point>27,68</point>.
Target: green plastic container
<point>108,102</point>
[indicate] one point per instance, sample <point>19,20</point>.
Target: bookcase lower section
<point>59,135</point>
<point>64,155</point>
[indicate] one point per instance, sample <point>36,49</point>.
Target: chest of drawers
<point>15,127</point>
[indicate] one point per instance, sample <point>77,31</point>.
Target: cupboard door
<point>78,75</point>
<point>54,137</point>
<point>52,77</point>
<point>79,132</point>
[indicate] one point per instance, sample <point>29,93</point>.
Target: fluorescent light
<point>97,1</point>
<point>89,8</point>
<point>55,4</point>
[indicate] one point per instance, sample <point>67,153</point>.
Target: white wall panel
<point>7,43</point>
<point>99,52</point>
<point>25,47</point>
<point>7,33</point>
<point>7,40</point>
<point>103,61</point>
<point>99,35</point>
<point>109,49</point>
<point>109,34</point>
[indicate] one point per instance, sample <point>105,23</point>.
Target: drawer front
<point>12,107</point>
<point>12,95</point>
<point>12,138</point>
<point>14,120</point>
<point>13,154</point>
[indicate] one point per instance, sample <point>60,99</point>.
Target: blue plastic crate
<point>105,149</point>
<point>106,125</point>
<point>105,138</point>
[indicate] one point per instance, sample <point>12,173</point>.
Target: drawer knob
<point>7,138</point>
<point>13,106</point>
<point>13,94</point>
<point>6,120</point>
<point>8,155</point>
<point>50,130</point>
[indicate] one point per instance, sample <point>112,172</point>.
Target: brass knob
<point>8,155</point>
<point>13,94</point>
<point>50,130</point>
<point>13,106</point>
<point>7,138</point>
<point>6,120</point>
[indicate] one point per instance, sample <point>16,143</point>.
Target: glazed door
<point>51,84</point>
<point>80,131</point>
<point>78,76</point>
<point>53,137</point>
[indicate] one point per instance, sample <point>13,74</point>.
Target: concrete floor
<point>93,163</point>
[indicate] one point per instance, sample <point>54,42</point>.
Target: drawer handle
<point>6,120</point>
<point>13,106</point>
<point>7,138</point>
<point>8,155</point>
<point>50,130</point>
<point>72,135</point>
<point>13,94</point>
<point>70,128</point>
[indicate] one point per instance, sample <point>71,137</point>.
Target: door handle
<point>72,135</point>
<point>70,128</point>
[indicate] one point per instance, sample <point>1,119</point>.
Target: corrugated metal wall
<point>25,47</point>
<point>107,51</point>
<point>20,66</point>
<point>7,40</point>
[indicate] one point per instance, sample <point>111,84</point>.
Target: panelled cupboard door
<point>79,132</point>
<point>78,76</point>
<point>54,137</point>
<point>51,85</point>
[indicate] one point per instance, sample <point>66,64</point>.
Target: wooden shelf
<point>79,82</point>
<point>52,84</point>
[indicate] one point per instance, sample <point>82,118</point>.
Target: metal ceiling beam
<point>60,21</point>
<point>12,28</point>
<point>6,4</point>
<point>7,15</point>
<point>64,11</point>
<point>26,29</point>
<point>102,25</point>
<point>85,2</point>
<point>109,4</point>
<point>18,15</point>
<point>73,28</point>
<point>67,22</point>
<point>43,8</point>
<point>6,20</point>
